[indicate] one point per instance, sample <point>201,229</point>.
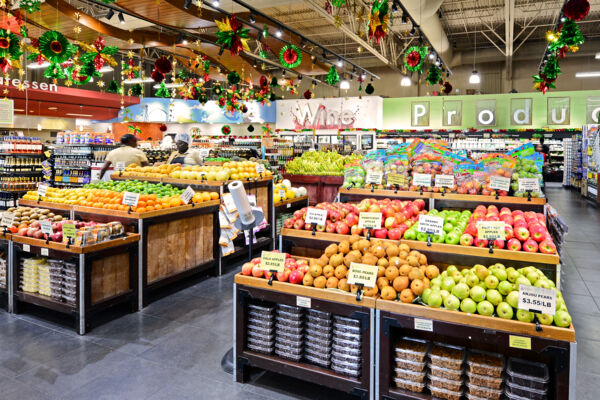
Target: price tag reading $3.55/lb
<point>537,299</point>
<point>315,216</point>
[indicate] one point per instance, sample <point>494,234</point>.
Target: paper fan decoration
<point>10,50</point>
<point>379,20</point>
<point>55,47</point>
<point>290,56</point>
<point>232,35</point>
<point>226,130</point>
<point>414,58</point>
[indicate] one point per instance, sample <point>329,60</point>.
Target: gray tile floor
<point>172,350</point>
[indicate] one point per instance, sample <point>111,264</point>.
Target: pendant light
<point>406,81</point>
<point>474,79</point>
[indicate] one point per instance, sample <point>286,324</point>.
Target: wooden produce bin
<point>356,195</point>
<point>248,289</point>
<point>287,207</point>
<point>56,208</point>
<point>320,188</point>
<point>552,345</point>
<point>175,242</point>
<point>5,247</point>
<point>106,275</point>
<point>469,202</point>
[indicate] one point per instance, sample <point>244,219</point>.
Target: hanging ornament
<point>113,87</point>
<point>203,99</point>
<point>545,80</point>
<point>162,128</point>
<point>369,89</point>
<point>217,90</point>
<point>244,109</point>
<point>163,65</point>
<point>233,78</point>
<point>232,35</point>
<point>265,30</point>
<point>10,50</point>
<point>577,9</point>
<point>55,47</point>
<point>250,128</point>
<point>274,82</point>
<point>447,88</point>
<point>308,94</point>
<point>379,20</point>
<point>183,74</point>
<point>328,7</point>
<point>97,55</point>
<point>162,91</point>
<point>338,3</point>
<point>24,31</point>
<point>136,90</point>
<point>157,76</point>
<point>290,56</point>
<point>414,58</point>
<point>434,75</point>
<point>75,74</point>
<point>30,6</point>
<point>226,130</point>
<point>332,76</point>
<point>570,36</point>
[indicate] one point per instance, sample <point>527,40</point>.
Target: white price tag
<point>42,189</point>
<point>362,274</point>
<point>369,220</point>
<point>316,216</point>
<point>130,199</point>
<point>303,301</point>
<point>46,226</point>
<point>444,181</point>
<point>491,230</point>
<point>430,224</point>
<point>374,178</point>
<point>423,324</point>
<point>187,195</point>
<point>282,194</point>
<point>44,251</point>
<point>7,219</point>
<point>421,180</point>
<point>26,248</point>
<point>229,203</point>
<point>120,166</point>
<point>260,168</point>
<point>500,183</point>
<point>537,299</point>
<point>529,184</point>
<point>289,205</point>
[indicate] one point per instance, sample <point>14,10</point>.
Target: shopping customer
<point>184,155</point>
<point>125,155</point>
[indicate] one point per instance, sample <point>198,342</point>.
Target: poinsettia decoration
<point>53,47</point>
<point>226,130</point>
<point>10,50</point>
<point>414,58</point>
<point>379,20</point>
<point>232,35</point>
<point>290,56</point>
<point>98,54</point>
<point>130,70</point>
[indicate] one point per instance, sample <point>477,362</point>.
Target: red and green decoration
<point>10,50</point>
<point>77,75</point>
<point>290,56</point>
<point>55,48</point>
<point>30,6</point>
<point>577,10</point>
<point>545,80</point>
<point>233,78</point>
<point>379,20</point>
<point>136,90</point>
<point>232,35</point>
<point>134,130</point>
<point>414,58</point>
<point>113,87</point>
<point>332,76</point>
<point>434,75</point>
<point>226,130</point>
<point>98,54</point>
<point>163,91</point>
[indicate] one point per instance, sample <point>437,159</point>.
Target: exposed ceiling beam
<point>509,32</point>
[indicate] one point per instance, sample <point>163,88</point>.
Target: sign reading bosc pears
<point>362,274</point>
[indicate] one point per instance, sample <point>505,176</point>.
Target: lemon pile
<point>284,191</point>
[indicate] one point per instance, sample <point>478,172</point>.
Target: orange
<point>149,208</point>
<point>152,197</point>
<point>150,202</point>
<point>97,205</point>
<point>140,209</point>
<point>158,207</point>
<point>122,207</point>
<point>176,201</point>
<point>214,195</point>
<point>141,203</point>
<point>206,196</point>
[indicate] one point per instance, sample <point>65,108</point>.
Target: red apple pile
<point>525,231</point>
<point>294,270</point>
<point>342,218</point>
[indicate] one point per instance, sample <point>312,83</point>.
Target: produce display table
<point>288,207</point>
<point>356,195</point>
<point>257,291</point>
<point>5,247</point>
<point>106,275</point>
<point>552,345</point>
<point>320,188</point>
<point>175,243</point>
<point>62,209</point>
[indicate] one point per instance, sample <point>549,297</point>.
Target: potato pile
<point>403,273</point>
<point>24,216</point>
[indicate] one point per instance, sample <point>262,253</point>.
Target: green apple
<point>521,280</point>
<point>491,282</point>
<point>444,294</point>
<point>512,275</point>
<point>560,305</point>
<point>504,310</point>
<point>448,227</point>
<point>435,282</point>
<point>493,296</point>
<point>444,274</point>
<point>438,238</point>
<point>472,279</point>
<point>451,268</point>
<point>448,283</point>
<point>481,271</point>
<point>513,299</point>
<point>533,277</point>
<point>545,319</point>
<point>451,302</point>
<point>456,275</point>
<point>468,306</point>
<point>524,315</point>
<point>425,295</point>
<point>461,290</point>
<point>505,287</point>
<point>477,293</point>
<point>435,300</point>
<point>562,319</point>
<point>464,272</point>
<point>485,308</point>
<point>500,266</point>
<point>500,273</point>
<point>422,237</point>
<point>527,270</point>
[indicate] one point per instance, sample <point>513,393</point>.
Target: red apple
<point>320,228</point>
<point>330,227</point>
<point>283,276</point>
<point>351,219</point>
<point>342,228</point>
<point>522,233</point>
<point>481,242</point>
<point>530,246</point>
<point>257,272</point>
<point>247,269</point>
<point>390,222</point>
<point>499,244</point>
<point>547,246</point>
<point>296,276</point>
<point>255,261</point>
<point>299,224</point>
<point>289,223</point>
<point>508,231</point>
<point>380,233</point>
<point>538,232</point>
<point>492,217</point>
<point>471,229</point>
<point>466,239</point>
<point>420,203</point>
<point>355,230</point>
<point>395,233</point>
<point>513,244</point>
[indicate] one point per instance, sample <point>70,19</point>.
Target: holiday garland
<point>290,56</point>
<point>233,78</point>
<point>77,76</point>
<point>434,75</point>
<point>98,54</point>
<point>414,58</point>
<point>379,20</point>
<point>232,35</point>
<point>30,6</point>
<point>332,76</point>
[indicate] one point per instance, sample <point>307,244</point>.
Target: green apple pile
<point>492,291</point>
<point>525,169</point>
<point>455,223</point>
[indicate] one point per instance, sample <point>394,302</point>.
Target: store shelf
<point>400,194</point>
<point>490,199</point>
<point>45,302</point>
<point>283,205</point>
<point>46,204</point>
<point>127,239</point>
<point>36,155</point>
<point>119,177</point>
<point>145,215</point>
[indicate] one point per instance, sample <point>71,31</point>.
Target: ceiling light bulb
<point>110,14</point>
<point>252,19</point>
<point>121,18</point>
<point>216,3</point>
<point>39,127</point>
<point>405,81</point>
<point>184,41</point>
<point>437,62</point>
<point>340,63</point>
<point>413,31</point>
<point>474,78</point>
<point>431,55</point>
<point>278,32</point>
<point>345,85</point>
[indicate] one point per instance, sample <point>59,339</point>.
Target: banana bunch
<point>319,163</point>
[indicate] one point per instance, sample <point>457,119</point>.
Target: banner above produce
<point>334,113</point>
<point>191,111</point>
<point>499,111</point>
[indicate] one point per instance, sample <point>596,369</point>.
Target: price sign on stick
<point>374,178</point>
<point>260,168</point>
<point>537,299</point>
<point>529,184</point>
<point>282,194</point>
<point>491,230</point>
<point>69,231</point>
<point>421,180</point>
<point>397,179</point>
<point>130,199</point>
<point>431,225</point>
<point>270,261</point>
<point>7,219</point>
<point>369,220</point>
<point>446,181</point>
<point>362,274</point>
<point>41,190</point>
<point>46,226</point>
<point>316,216</point>
<point>500,183</point>
<point>187,195</point>
<point>120,166</point>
